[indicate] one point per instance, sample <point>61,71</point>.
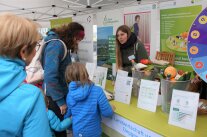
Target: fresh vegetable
<point>170,71</point>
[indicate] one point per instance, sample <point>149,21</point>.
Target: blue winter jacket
<point>55,122</point>
<point>87,104</point>
<point>54,69</point>
<point>22,107</point>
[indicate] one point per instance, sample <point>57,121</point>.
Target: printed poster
<point>140,24</point>
<point>110,18</point>
<point>105,49</point>
<point>183,109</point>
<point>174,28</point>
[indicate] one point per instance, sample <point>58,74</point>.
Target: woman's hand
<point>63,109</point>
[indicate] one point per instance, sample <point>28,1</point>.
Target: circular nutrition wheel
<point>197,45</point>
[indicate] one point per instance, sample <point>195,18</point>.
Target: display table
<point>156,122</point>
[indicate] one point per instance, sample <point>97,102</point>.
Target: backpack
<point>34,70</point>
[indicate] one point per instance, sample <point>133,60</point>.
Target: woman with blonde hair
<point>127,45</point>
<point>23,112</point>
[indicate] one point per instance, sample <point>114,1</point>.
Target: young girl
<point>86,102</point>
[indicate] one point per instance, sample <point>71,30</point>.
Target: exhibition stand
<point>149,123</point>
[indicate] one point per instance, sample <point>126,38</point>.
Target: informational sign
<point>122,73</point>
<point>103,46</point>
<point>183,110</point>
<point>113,18</point>
<point>128,128</point>
<point>103,35</point>
<point>174,31</point>
<point>112,49</point>
<point>148,95</point>
<point>91,68</point>
<point>100,76</point>
<point>108,22</point>
<point>54,23</point>
<point>197,45</point>
<point>123,89</point>
<point>85,47</point>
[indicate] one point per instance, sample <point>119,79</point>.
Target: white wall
<point>45,24</point>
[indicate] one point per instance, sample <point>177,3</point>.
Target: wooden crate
<point>166,56</point>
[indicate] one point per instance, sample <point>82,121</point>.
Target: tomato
<point>145,61</point>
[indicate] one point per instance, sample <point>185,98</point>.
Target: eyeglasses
<point>37,46</point>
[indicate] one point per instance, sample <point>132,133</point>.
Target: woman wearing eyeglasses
<point>54,65</point>
<point>22,108</point>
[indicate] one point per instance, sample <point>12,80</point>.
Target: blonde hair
<point>78,73</point>
<point>15,33</point>
<point>125,29</point>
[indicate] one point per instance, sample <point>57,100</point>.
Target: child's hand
<point>201,110</point>
<point>63,109</point>
<point>196,79</point>
<point>113,107</point>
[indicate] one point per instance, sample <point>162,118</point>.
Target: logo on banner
<point>89,19</point>
<point>109,21</point>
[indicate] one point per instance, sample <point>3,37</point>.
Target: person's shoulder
<point>97,89</point>
<point>30,90</point>
<point>56,42</point>
<point>139,43</point>
<point>55,45</point>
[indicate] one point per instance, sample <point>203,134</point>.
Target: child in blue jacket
<point>86,102</point>
<point>54,121</point>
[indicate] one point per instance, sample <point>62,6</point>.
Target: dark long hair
<point>67,33</point>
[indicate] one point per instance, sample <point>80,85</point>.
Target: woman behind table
<point>127,44</point>
<point>22,108</point>
<point>54,66</point>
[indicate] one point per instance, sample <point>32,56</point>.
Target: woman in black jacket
<point>127,44</point>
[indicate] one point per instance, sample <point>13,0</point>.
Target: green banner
<point>174,27</point>
<point>54,23</point>
<point>112,49</point>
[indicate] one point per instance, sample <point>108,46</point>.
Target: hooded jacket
<point>56,124</point>
<point>22,107</point>
<point>86,105</point>
<point>54,69</point>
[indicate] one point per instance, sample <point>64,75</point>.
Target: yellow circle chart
<point>202,19</point>
<point>195,34</point>
<point>194,50</point>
